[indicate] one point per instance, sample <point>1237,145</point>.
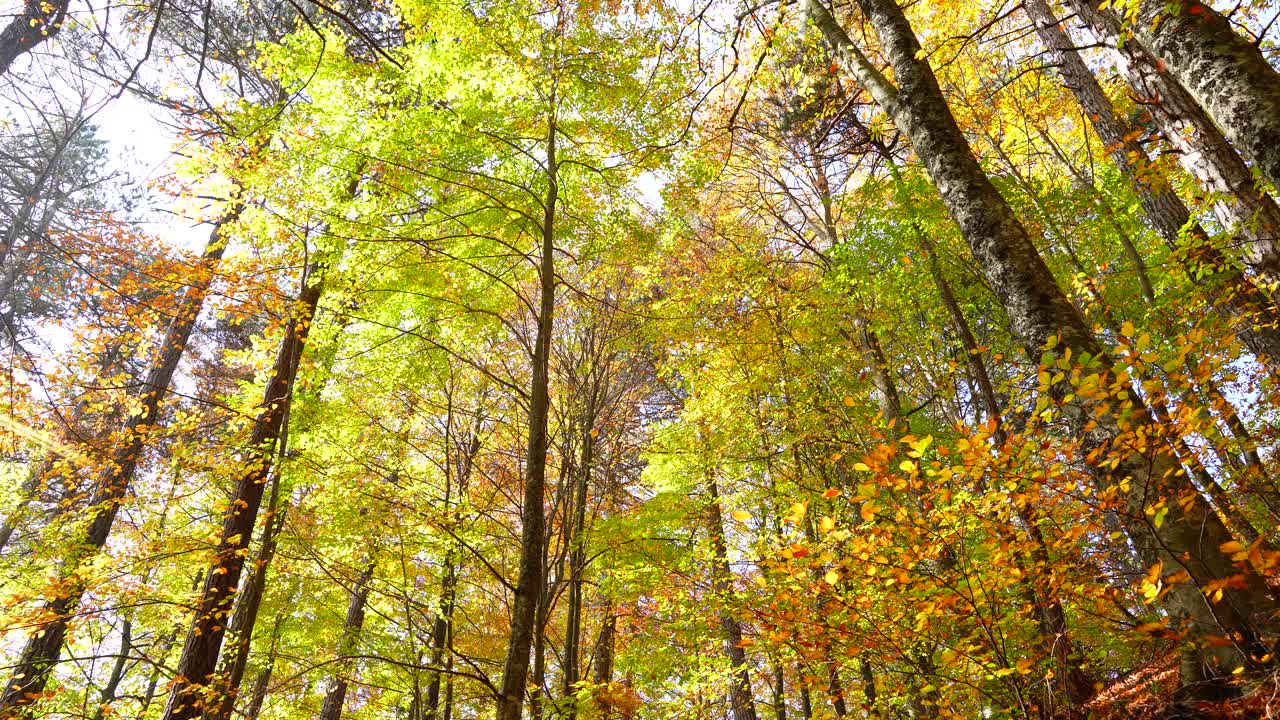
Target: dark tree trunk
<point>261,685</point>
<point>779,691</point>
<point>38,21</point>
<point>602,655</point>
<point>835,690</point>
<point>578,558</point>
<point>31,672</point>
<point>741,701</point>
<point>336,694</point>
<point>249,601</point>
<point>1190,536</point>
<point>869,694</point>
<point>108,693</point>
<point>196,668</point>
<point>532,577</point>
<point>441,636</point>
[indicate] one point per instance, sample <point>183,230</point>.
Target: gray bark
<point>1226,74</point>
<point>1204,152</point>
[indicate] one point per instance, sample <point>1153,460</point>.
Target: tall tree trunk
<point>262,682</point>
<point>578,558</point>
<point>31,672</point>
<point>602,658</point>
<point>1248,309</point>
<point>249,599</point>
<point>441,636</point>
<point>779,690</point>
<point>741,701</point>
<point>869,694</point>
<point>196,671</point>
<point>1226,74</point>
<point>538,679</point>
<point>1075,683</point>
<point>1202,148</point>
<point>1190,536</point>
<point>336,694</point>
<point>196,668</point>
<point>261,686</point>
<point>524,614</point>
<point>108,693</point>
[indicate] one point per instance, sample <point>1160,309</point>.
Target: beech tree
<point>605,360</point>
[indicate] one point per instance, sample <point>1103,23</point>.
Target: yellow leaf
<point>741,515</point>
<point>827,524</point>
<point>922,444</point>
<point>1231,546</point>
<point>832,577</point>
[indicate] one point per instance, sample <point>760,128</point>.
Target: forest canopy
<point>648,359</point>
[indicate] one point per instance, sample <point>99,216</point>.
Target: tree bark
<point>741,700</point>
<point>1190,536</point>
<point>1202,148</point>
<point>524,614</point>
<point>1226,74</point>
<point>1250,310</point>
<point>577,566</point>
<point>336,695</point>
<point>38,21</point>
<point>31,672</point>
<point>249,601</point>
<point>196,668</point>
<point>108,693</point>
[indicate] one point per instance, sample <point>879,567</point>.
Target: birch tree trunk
<point>1245,306</point>
<point>1204,152</point>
